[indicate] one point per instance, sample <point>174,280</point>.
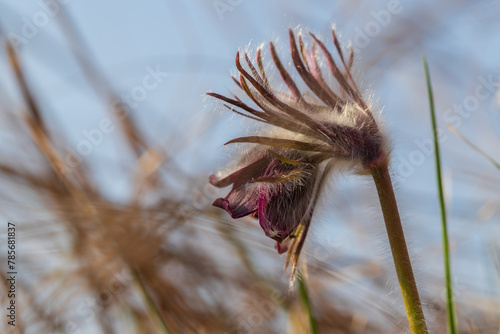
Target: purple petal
<point>240,202</point>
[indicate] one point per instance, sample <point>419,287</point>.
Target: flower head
<point>279,181</point>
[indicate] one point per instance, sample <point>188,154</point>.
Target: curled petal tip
<point>223,204</point>
<point>281,247</point>
<point>219,203</point>
<point>313,36</point>
<point>236,208</point>
<point>213,180</point>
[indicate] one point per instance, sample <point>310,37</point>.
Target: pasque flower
<point>306,132</point>
<point>277,181</point>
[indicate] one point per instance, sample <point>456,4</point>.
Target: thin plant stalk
<point>399,250</point>
<point>304,297</point>
<point>151,306</point>
<point>471,144</point>
<point>450,304</point>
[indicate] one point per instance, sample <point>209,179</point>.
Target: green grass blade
<point>450,304</point>
<point>304,297</point>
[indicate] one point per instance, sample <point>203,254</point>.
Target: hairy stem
<point>306,301</point>
<point>399,250</point>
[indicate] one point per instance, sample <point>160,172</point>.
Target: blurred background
<point>107,141</point>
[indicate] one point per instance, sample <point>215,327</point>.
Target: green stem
<point>304,296</point>
<point>450,304</point>
<point>399,250</point>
